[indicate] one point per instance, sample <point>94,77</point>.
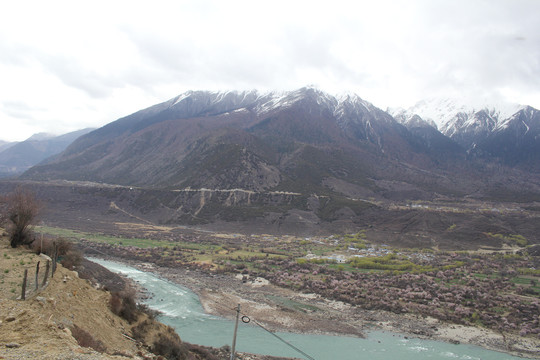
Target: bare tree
<point>3,210</point>
<point>20,211</point>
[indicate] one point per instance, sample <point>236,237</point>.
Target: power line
<point>283,340</point>
<point>246,319</point>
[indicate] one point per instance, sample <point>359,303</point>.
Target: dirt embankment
<point>41,326</point>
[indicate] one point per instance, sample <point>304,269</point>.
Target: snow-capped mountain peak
<point>410,120</point>
<point>447,113</point>
<point>463,120</point>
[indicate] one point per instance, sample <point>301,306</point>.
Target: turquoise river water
<point>181,309</point>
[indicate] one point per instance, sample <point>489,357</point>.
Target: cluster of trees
<point>450,294</point>
<point>156,255</point>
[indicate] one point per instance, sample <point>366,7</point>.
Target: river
<point>181,309</point>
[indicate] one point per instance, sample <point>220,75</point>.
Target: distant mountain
<point>291,140</point>
<point>464,123</point>
<point>444,112</point>
<point>441,146</point>
<point>5,144</point>
<point>507,133</point>
<point>515,141</point>
<point>19,157</point>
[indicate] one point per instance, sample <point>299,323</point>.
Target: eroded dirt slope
<point>41,326</point>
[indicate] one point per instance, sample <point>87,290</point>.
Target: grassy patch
<point>512,239</point>
<point>99,238</point>
<point>292,304</point>
<point>484,276</point>
<point>389,262</point>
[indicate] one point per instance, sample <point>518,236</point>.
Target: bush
<point>140,330</point>
<point>84,339</point>
<point>151,313</point>
<point>63,246</point>
<point>202,352</point>
<point>72,259</point>
<point>46,246</point>
<point>170,346</point>
<point>167,343</point>
<point>20,210</point>
<point>123,304</point>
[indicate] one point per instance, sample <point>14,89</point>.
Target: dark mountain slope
<point>517,143</point>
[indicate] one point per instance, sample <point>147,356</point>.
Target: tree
<point>20,212</point>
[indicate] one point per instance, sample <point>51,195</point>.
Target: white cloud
<point>66,65</point>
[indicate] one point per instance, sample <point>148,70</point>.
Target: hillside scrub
<point>69,313</point>
<point>85,339</point>
<point>123,304</point>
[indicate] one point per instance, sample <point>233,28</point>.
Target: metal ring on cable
<point>245,319</point>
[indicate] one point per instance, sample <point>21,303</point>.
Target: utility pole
<point>235,331</point>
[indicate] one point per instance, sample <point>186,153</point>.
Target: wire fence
<point>31,285</point>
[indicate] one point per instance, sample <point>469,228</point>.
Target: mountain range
<point>300,159</point>
<point>285,140</point>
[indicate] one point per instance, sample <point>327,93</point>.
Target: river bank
<point>282,309</point>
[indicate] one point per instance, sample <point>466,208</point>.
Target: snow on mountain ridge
<point>410,120</point>
<point>460,119</point>
<point>450,115</point>
<point>263,103</point>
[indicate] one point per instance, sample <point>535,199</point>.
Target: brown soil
<point>39,327</point>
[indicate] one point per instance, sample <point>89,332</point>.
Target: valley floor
<point>283,309</point>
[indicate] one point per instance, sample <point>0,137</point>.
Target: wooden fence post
<point>37,275</point>
<point>46,273</point>
<point>54,258</point>
<point>23,292</point>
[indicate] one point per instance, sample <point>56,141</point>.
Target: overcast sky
<point>67,65</point>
